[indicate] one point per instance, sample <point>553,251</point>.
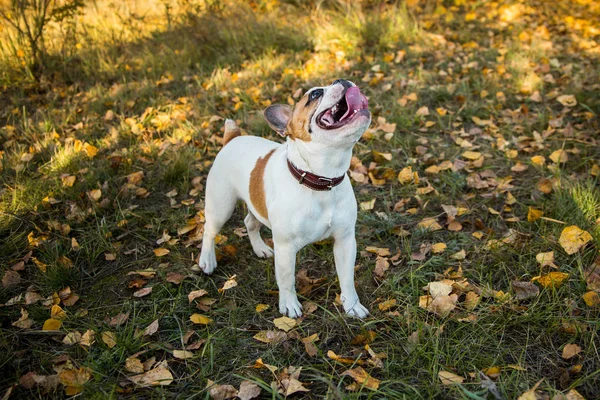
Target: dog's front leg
<point>344,252</point>
<point>285,268</point>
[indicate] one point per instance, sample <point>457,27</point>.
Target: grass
<point>149,87</point>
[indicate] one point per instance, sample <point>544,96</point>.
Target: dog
<point>299,189</point>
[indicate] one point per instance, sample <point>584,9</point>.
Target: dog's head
<point>336,115</point>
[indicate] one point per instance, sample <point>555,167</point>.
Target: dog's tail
<point>231,131</point>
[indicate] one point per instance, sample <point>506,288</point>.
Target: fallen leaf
<point>386,305</point>
<point>200,319</point>
<point>195,294</point>
<point>133,364</point>
<point>88,338</point>
<point>448,378</point>
<point>221,392</point>
<point>381,265</point>
<point>552,279</point>
<point>95,194</point>
<point>109,339</point>
<point>119,319</point>
<point>430,224</point>
<point>143,292</point>
<point>362,378</point>
<point>161,252</point>
<point>438,289</point>
<point>160,375</point>
<point>471,155</point>
<point>74,379</point>
<point>559,156</point>
<point>570,351</point>
<point>546,259</point>
<point>229,283</point>
<point>367,205</point>
<point>270,336</point>
<point>573,238</point>
<point>592,299</point>
<point>406,175</point>
<point>182,354</point>
<point>309,344</point>
<point>90,150</point>
<point>248,390</point>
<point>438,248</point>
<point>567,100</point>
<point>51,325</point>
<point>24,322</point>
<point>151,329</point>
<point>524,290</point>
<point>533,214</point>
<point>175,277</point>
<point>261,307</point>
<point>72,338</point>
<point>11,278</point>
<point>285,323</point>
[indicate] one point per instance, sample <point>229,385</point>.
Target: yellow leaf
<point>591,299</point>
<point>57,313</point>
<point>51,325</point>
<point>492,372</point>
<point>471,155</point>
<point>90,150</point>
<point>406,175</point>
<point>109,339</point>
<point>161,252</point>
<point>559,156</point>
<point>430,224</point>
<point>229,283</point>
<point>367,205</point>
<point>538,160</point>
<point>200,319</point>
<point>545,185</point>
<point>261,307</point>
<point>68,181</point>
<point>534,215</point>
<point>470,16</point>
<point>567,100</point>
<point>74,379</point>
<point>182,354</point>
<point>573,238</point>
<point>284,323</point>
<point>362,378</point>
<point>95,194</point>
<point>552,279</point>
<point>386,305</point>
<point>570,351</point>
<point>438,248</point>
<point>448,378</point>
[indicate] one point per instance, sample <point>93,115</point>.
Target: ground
<point>482,156</point>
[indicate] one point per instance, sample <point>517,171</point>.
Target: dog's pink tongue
<point>355,100</point>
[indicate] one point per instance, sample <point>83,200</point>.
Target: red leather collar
<point>312,181</point>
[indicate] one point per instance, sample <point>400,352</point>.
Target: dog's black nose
<point>343,82</point>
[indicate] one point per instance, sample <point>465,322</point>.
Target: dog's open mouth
<point>352,103</point>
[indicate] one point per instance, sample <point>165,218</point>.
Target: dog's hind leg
<point>258,245</point>
<point>220,203</point>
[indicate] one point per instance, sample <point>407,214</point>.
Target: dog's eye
<point>315,94</point>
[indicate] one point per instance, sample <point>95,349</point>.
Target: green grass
<point>166,80</point>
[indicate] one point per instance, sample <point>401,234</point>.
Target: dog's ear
<point>278,116</point>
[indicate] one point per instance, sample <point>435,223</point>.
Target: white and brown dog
<point>298,189</point>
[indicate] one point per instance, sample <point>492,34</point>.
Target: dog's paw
<point>357,310</point>
<point>290,306</point>
<point>208,262</point>
<point>262,250</point>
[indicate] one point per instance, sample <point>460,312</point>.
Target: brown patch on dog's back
<point>299,124</point>
<point>257,185</point>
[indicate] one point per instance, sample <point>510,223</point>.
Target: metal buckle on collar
<point>301,178</point>
<point>330,186</point>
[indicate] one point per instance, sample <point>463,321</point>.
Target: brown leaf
<point>161,252</point>
<point>248,390</point>
<point>230,283</point>
<point>381,265</point>
<point>119,319</point>
<point>10,279</point>
<point>175,277</point>
<point>151,329</point>
<point>88,338</point>
<point>221,392</point>
<point>24,322</point>
<point>195,294</point>
<point>143,292</point>
<point>524,290</point>
<point>309,344</point>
